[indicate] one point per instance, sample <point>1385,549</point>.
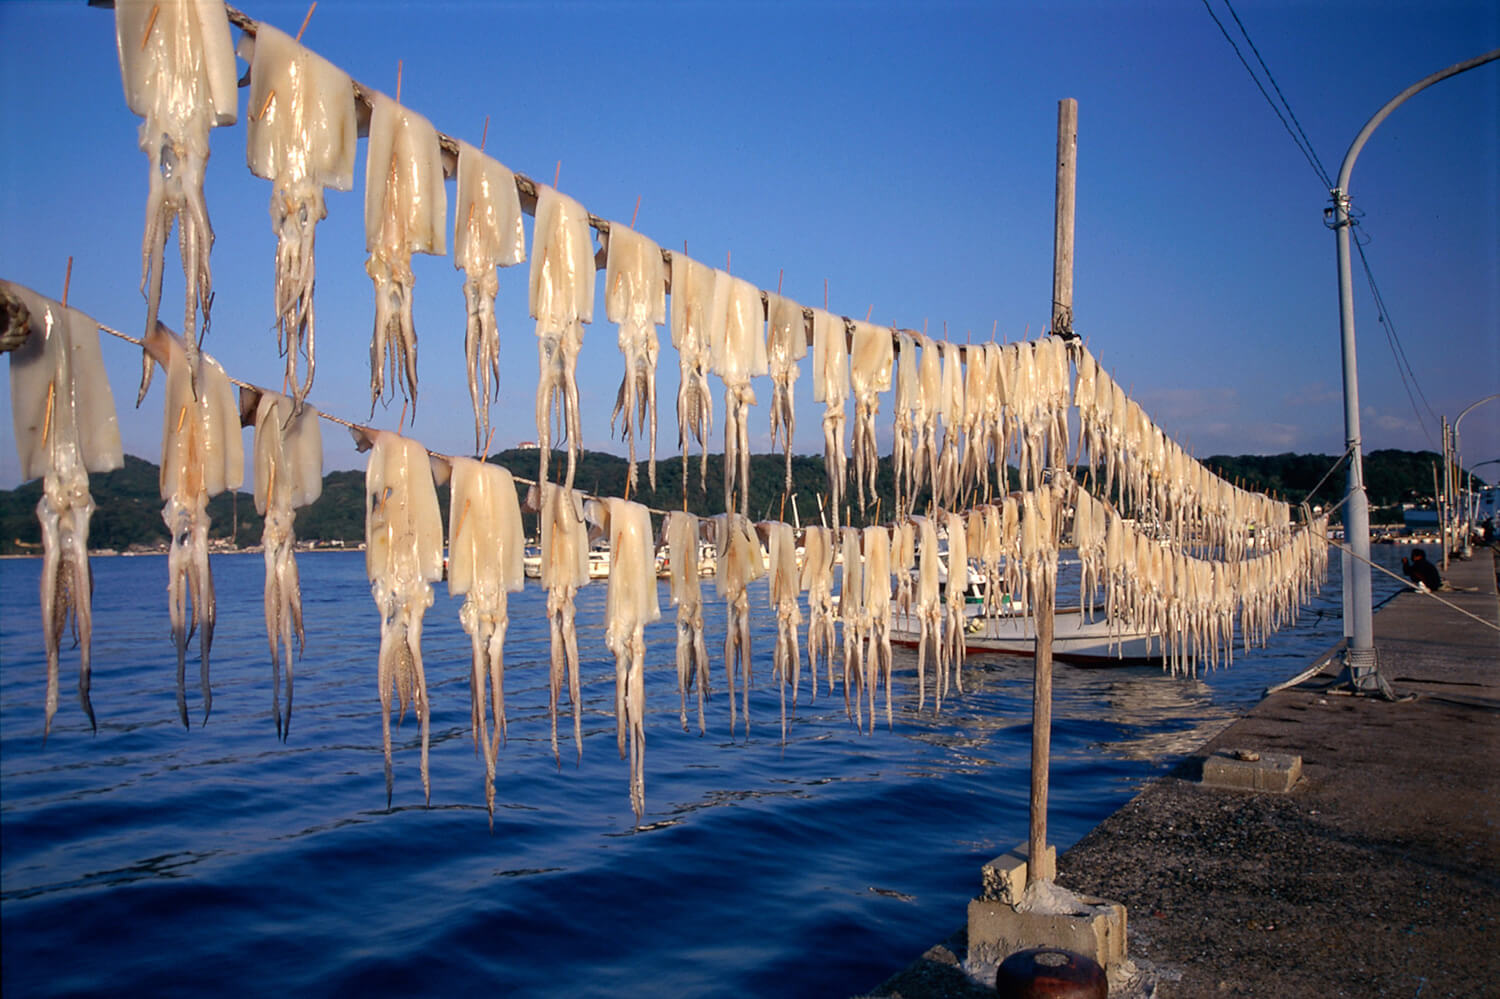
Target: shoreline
<point>1375,875</point>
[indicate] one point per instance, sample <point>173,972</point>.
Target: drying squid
<point>872,350</point>
<point>978,403</point>
<point>831,387</point>
<point>1085,388</point>
<point>202,454</point>
<point>486,234</point>
<point>635,297</point>
<point>953,613</point>
<point>485,549</point>
<point>929,609</point>
<point>300,135</point>
<point>785,588</point>
<point>951,409</point>
<point>630,605</point>
<point>681,529</point>
<point>997,401</point>
<point>65,426</point>
<point>817,580</point>
<point>692,302</point>
<point>406,210</point>
<point>903,561</point>
<point>903,454</point>
<point>738,342</point>
<point>177,64</point>
<point>878,613</point>
<point>928,397</point>
<point>565,567</point>
<point>856,625</point>
<point>786,344</point>
<point>562,300</point>
<point>740,561</point>
<point>403,558</point>
<point>288,454</point>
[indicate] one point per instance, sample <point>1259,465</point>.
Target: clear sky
<point>903,153</point>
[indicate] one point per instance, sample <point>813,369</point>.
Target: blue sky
<point>901,153</point>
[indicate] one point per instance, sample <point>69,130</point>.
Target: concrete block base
<point>997,930</point>
<point>1004,878</point>
<point>1247,770</point>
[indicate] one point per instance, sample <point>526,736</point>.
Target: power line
<point>1403,365</point>
<point>1306,149</point>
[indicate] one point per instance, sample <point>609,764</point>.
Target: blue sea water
<point>151,860</point>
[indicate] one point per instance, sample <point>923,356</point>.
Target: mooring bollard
<point>1050,973</point>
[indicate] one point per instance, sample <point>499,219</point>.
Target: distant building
<point>528,446</point>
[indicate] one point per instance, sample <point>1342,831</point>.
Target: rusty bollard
<point>1050,973</point>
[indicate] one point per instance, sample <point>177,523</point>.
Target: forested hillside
<point>128,506</point>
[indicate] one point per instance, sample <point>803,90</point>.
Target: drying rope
<point>1446,603</point>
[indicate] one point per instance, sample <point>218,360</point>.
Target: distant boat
<point>1075,639</point>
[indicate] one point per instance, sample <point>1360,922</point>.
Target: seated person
<point>1419,570</point>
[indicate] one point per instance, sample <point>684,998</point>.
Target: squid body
<point>202,454</point>
<point>177,64</point>
<point>485,550</point>
<point>301,135</point>
<point>740,561</point>
<point>65,426</point>
<point>785,590</point>
<point>403,558</point>
<point>681,529</point>
<point>786,344</point>
<point>562,300</point>
<point>737,341</point>
<point>565,567</point>
<point>406,210</point>
<point>818,544</point>
<point>288,456</point>
<point>635,297</point>
<point>871,355</point>
<point>487,234</point>
<point>692,304</point>
<point>831,388</point>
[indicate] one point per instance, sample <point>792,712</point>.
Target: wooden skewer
<point>307,17</point>
<point>266,106</point>
<point>462,516</point>
<point>404,404</point>
<point>825,307</point>
<point>150,23</point>
<point>557,174</point>
<point>47,420</point>
<point>488,439</point>
<point>637,213</point>
<point>181,418</point>
<point>728,261</point>
<point>67,280</point>
<point>483,136</point>
<point>271,486</point>
<point>399,63</point>
<point>869,312</point>
<point>779,273</point>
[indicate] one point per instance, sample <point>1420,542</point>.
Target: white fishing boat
<point>1076,639</point>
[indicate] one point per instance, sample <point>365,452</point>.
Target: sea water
<point>146,859</point>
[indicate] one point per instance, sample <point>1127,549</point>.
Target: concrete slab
<point>997,930</point>
<point>1251,770</point>
<point>1004,878</point>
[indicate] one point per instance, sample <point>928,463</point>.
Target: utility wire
<point>1403,365</point>
<point>1306,150</point>
<point>1306,142</point>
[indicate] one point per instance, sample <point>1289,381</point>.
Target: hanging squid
<point>565,567</point>
<point>177,64</point>
<point>951,408</point>
<point>928,603</point>
<point>997,402</point>
<point>738,341</point>
<point>740,561</point>
<point>953,606</point>
<point>903,454</point>
<point>785,588</point>
<point>831,387</point>
<point>485,550</point>
<point>300,135</point>
<point>817,580</point>
<point>562,300</point>
<point>681,530</point>
<point>979,402</point>
<point>65,427</point>
<point>486,234</point>
<point>856,624</point>
<point>903,561</point>
<point>288,455</point>
<point>630,605</point>
<point>403,558</point>
<point>635,297</point>
<point>202,454</point>
<point>786,344</point>
<point>872,351</point>
<point>692,303</point>
<point>406,210</point>
<point>878,613</point>
<point>929,386</point>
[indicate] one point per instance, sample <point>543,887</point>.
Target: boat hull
<point>1076,640</point>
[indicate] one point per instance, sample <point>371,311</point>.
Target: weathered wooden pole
<point>1045,598</point>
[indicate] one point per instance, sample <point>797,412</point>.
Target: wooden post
<point>1062,234</point>
<point>1445,497</point>
<point>1045,600</point>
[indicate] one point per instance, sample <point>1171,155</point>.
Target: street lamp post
<point>1362,669</point>
<point>1467,502</point>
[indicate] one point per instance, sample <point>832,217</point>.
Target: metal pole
<point>1037,869</point>
<point>1445,493</point>
<point>1363,670</point>
<point>1469,507</point>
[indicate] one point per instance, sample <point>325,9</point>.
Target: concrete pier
<point>1375,872</point>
